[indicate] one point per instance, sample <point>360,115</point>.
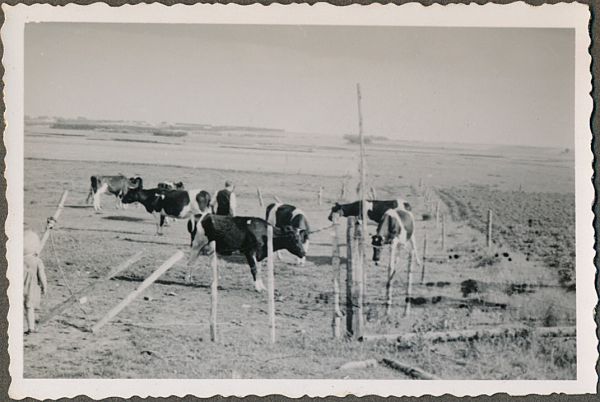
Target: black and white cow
<point>247,235</point>
<point>397,227</point>
<point>117,185</point>
<point>180,204</point>
<point>375,209</point>
<point>282,215</point>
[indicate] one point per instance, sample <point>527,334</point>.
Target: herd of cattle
<point>248,235</point>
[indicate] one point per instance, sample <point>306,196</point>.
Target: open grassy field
<point>165,334</point>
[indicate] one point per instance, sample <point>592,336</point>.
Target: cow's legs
<point>97,206</point>
<point>256,274</point>
<point>99,192</point>
<point>413,244</point>
<point>90,195</point>
<point>158,216</point>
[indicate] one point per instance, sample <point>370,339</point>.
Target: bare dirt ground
<point>165,333</point>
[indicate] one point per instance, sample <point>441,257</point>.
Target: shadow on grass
<point>123,218</point>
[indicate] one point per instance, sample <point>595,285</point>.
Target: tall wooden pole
<point>391,272</point>
<point>271,281</point>
<point>362,266</point>
<point>54,218</point>
<point>214,293</point>
<point>424,258</point>
<point>408,285</point>
<point>350,274</point>
<point>337,273</point>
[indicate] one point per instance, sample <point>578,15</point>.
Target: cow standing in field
<point>282,215</point>
<point>375,209</point>
<point>397,227</point>
<point>117,185</point>
<point>170,186</point>
<point>247,235</point>
<point>180,204</point>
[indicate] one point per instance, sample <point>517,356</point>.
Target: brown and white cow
<point>117,185</point>
<point>397,227</point>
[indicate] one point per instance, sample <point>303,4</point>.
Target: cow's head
<point>377,243</point>
<point>336,209</point>
<point>131,196</point>
<point>179,185</point>
<point>135,182</point>
<point>294,242</point>
<point>199,240</point>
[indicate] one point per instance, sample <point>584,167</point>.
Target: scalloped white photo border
<point>573,15</point>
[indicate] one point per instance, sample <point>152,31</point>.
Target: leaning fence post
<point>271,281</point>
<point>390,277</point>
<point>424,258</point>
<point>53,219</point>
<point>335,263</point>
<point>489,228</point>
<point>259,195</point>
<point>408,285</point>
<point>214,292</point>
<point>343,191</point>
<point>147,282</point>
<point>78,295</point>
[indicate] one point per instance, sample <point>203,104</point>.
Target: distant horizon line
<point>341,135</point>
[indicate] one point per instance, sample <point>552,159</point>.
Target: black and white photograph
<point>199,199</point>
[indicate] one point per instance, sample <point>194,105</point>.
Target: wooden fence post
<point>343,191</point>
<point>259,195</point>
<point>271,281</point>
<point>54,218</point>
<point>337,273</point>
<point>78,295</point>
<point>424,258</point>
<point>351,221</point>
<point>214,292</point>
<point>320,195</point>
<point>391,272</point>
<point>443,243</point>
<point>489,228</point>
<point>437,214</point>
<point>147,282</point>
<point>408,284</point>
<point>359,281</point>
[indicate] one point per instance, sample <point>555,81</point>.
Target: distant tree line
<point>368,139</point>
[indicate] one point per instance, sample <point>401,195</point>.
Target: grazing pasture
<point>165,332</point>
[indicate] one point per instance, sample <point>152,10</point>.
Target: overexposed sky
<point>481,85</point>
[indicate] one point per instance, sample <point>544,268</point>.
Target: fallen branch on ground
<point>407,340</point>
<point>413,372</point>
